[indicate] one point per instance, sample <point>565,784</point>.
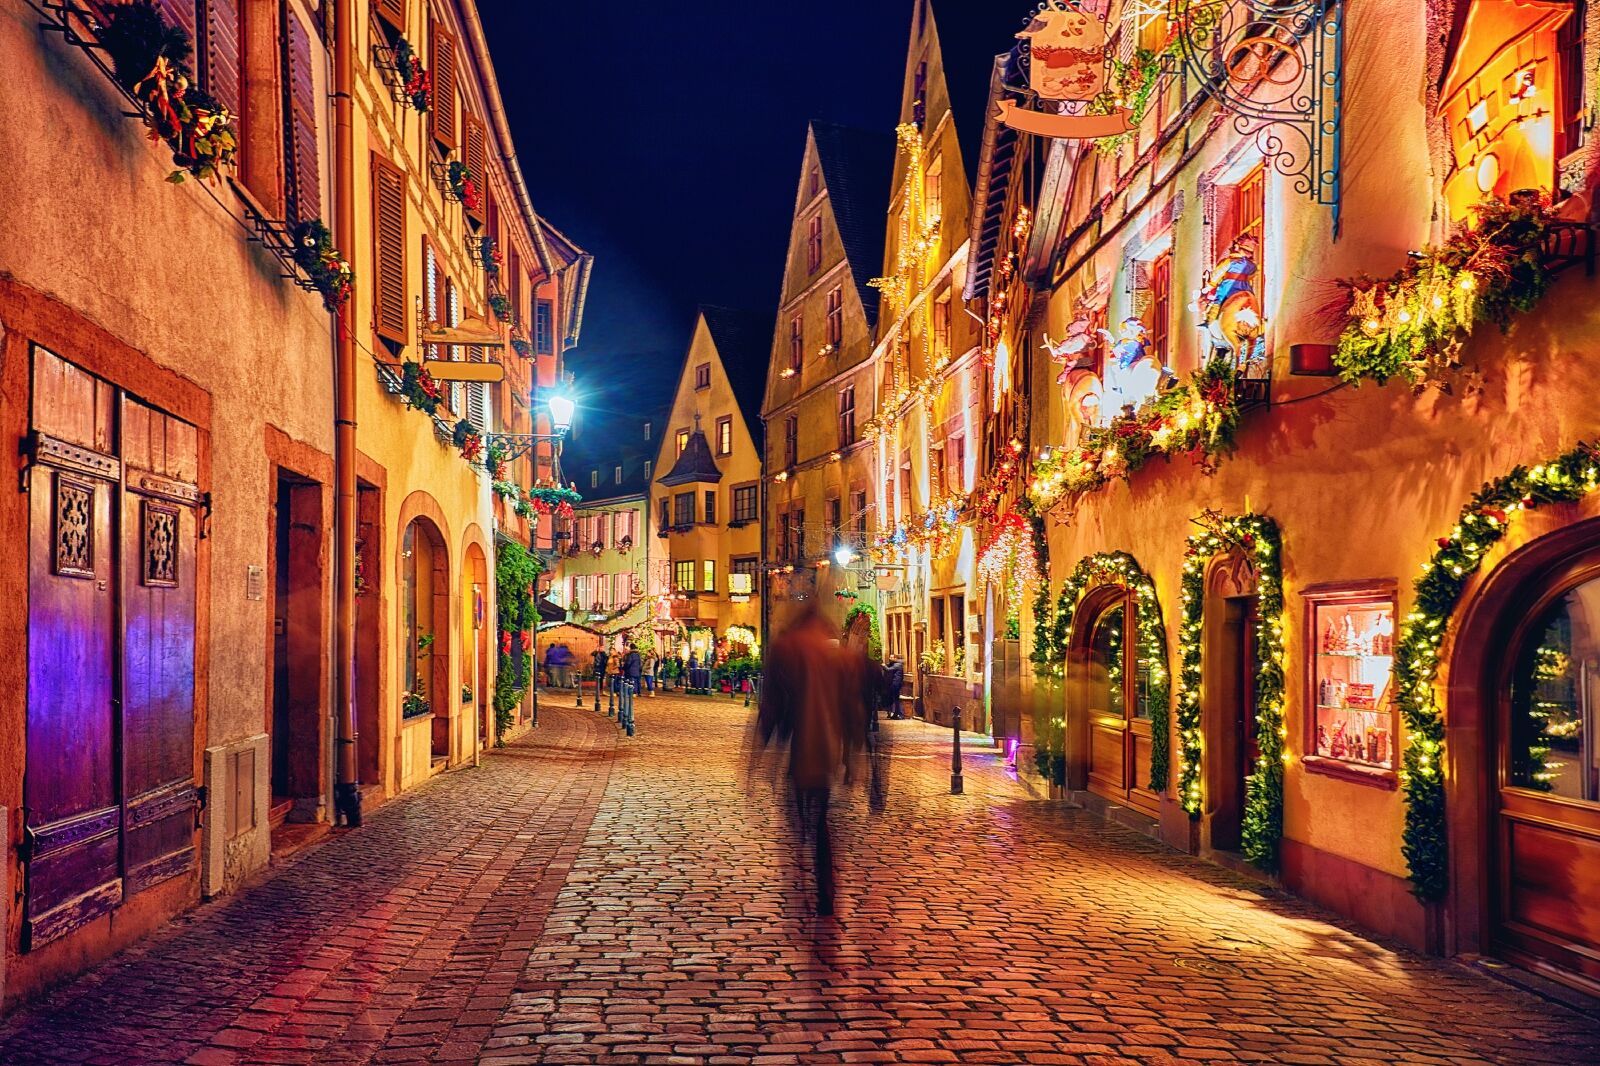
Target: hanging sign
<point>1065,53</point>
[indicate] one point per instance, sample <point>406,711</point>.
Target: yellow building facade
<point>820,389</point>
<point>706,495</point>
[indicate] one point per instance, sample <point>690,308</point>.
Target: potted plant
<point>418,390</point>
<point>416,82</point>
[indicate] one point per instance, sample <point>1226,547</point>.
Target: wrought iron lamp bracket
<point>517,445</point>
<point>1275,66</point>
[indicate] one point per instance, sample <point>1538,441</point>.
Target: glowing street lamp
<point>844,555</point>
<point>562,408</point>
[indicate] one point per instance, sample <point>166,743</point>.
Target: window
<point>791,440</point>
<point>702,376</point>
<point>619,475</point>
<point>834,511</point>
<point>594,479</point>
<point>1249,221</point>
<point>797,342</point>
<point>1352,631</point>
<point>745,564</point>
<point>302,181</point>
<point>785,545</point>
<point>797,524</point>
<point>1160,275</point>
<point>725,436</point>
<point>683,440</point>
<point>683,509</point>
<point>1570,116</point>
<point>683,575</point>
<point>814,181</point>
<point>814,244</point>
<point>745,503</point>
<point>711,507</point>
<point>933,184</point>
<point>1553,728</point>
<point>647,431</point>
<point>649,465</point>
<point>847,416</point>
<point>666,513</point>
<point>836,316</point>
<point>941,327</point>
<point>708,575</point>
<point>956,464</point>
<point>544,328</point>
<point>858,515</point>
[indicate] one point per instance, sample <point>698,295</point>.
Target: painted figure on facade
<point>1230,308</point>
<point>1133,373</point>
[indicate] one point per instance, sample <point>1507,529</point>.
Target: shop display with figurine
<point>1354,664</point>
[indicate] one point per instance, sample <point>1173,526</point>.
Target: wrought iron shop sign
<point>1273,65</point>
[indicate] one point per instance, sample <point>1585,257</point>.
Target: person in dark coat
<point>633,668</point>
<point>894,683</point>
<point>598,662</point>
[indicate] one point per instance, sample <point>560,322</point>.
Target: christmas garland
<point>1257,537</point>
<point>1197,418</point>
<point>938,530</point>
<point>418,390</point>
<point>148,56</point>
<point>1050,649</point>
<point>329,272</point>
<point>1412,325</point>
<point>1008,559</point>
<point>415,80</point>
<point>1483,523</point>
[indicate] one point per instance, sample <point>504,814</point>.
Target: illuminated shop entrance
<point>1113,695</point>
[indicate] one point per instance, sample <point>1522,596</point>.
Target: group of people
<point>820,702</point>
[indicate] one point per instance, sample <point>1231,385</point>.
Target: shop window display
<point>1354,721</point>
<point>1553,700</point>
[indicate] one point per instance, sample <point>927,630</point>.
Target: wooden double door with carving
<point>109,789</point>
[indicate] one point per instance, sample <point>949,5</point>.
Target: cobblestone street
<point>587,899</point>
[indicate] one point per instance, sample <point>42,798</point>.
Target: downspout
<point>347,786</point>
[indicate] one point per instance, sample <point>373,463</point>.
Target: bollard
<point>627,706</point>
<point>611,698</point>
<point>597,680</point>
<point>577,685</point>
<point>957,786</point>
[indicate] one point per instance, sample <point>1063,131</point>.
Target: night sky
<point>666,139</point>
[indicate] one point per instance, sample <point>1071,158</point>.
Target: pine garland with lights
<point>1483,523</point>
<point>1257,537</point>
<point>1053,635</point>
<point>1413,324</point>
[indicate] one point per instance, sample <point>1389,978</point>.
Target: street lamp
<point>562,408</point>
<point>844,555</point>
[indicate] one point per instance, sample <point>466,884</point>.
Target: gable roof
<point>971,35</point>
<point>858,168</point>
<point>744,343</point>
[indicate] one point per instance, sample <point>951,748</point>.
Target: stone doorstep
<point>1117,813</point>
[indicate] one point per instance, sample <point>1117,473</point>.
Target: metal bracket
<point>1276,66</point>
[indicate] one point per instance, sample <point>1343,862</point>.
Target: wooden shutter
<point>392,11</point>
<point>221,68</point>
<point>474,149</point>
<point>181,13</point>
<point>300,125</point>
<point>389,251</point>
<point>442,117</point>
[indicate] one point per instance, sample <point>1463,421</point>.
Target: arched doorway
<point>1523,733</point>
<point>1109,699</point>
<point>425,630</point>
<point>477,639</point>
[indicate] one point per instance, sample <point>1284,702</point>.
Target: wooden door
<point>109,788</point>
<point>1547,827</point>
<point>160,468</point>
<point>73,817</point>
<point>1118,708</point>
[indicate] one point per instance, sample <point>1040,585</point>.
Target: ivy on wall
<point>874,636</point>
<point>1053,635</point>
<point>1257,537</point>
<point>515,571</point>
<point>1483,522</point>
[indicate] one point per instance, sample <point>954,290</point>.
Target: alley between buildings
<point>586,898</point>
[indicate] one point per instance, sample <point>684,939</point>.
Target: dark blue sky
<point>666,140</point>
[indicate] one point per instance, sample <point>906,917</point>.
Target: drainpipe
<point>347,786</point>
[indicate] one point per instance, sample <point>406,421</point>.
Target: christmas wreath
<point>328,271</point>
<point>148,56</point>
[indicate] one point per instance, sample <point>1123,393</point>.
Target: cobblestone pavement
<point>581,899</point>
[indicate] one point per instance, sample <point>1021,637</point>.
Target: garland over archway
<point>1257,537</point>
<point>1483,522</point>
<point>1053,632</point>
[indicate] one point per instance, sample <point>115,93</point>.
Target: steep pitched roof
<point>695,464</point>
<point>971,35</point>
<point>744,342</point>
<point>858,167</point>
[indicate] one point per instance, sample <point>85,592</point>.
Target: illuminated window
<point>796,343</point>
<point>619,475</point>
<point>1160,274</point>
<point>594,479</point>
<point>836,317</point>
<point>708,575</point>
<point>683,440</point>
<point>683,575</point>
<point>725,435</point>
<point>1353,635</point>
<point>702,376</point>
<point>933,184</point>
<point>941,326</point>
<point>814,244</point>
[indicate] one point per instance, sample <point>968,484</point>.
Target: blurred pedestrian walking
<point>812,705</point>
